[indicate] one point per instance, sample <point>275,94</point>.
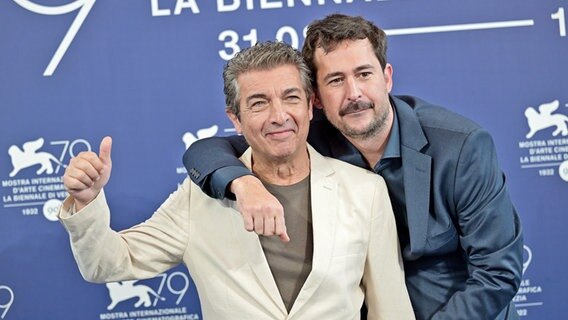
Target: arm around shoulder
<point>212,163</point>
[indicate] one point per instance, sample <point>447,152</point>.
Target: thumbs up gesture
<point>88,173</point>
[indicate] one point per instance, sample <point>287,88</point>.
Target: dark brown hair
<point>336,28</point>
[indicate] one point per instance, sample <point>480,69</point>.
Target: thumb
<point>105,149</point>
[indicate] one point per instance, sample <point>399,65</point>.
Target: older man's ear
<point>235,120</point>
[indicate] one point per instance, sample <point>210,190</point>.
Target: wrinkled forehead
<point>270,81</point>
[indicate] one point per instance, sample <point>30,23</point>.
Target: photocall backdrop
<point>148,73</point>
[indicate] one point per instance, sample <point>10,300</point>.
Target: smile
<point>280,135</point>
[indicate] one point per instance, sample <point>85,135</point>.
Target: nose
<point>278,113</point>
<point>353,91</point>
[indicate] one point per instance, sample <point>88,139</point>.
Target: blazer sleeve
<point>386,296</point>
<point>490,233</point>
<point>212,164</point>
<point>140,252</point>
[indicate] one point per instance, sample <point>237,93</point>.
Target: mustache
<point>355,107</point>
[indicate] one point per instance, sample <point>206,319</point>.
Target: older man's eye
<point>258,104</point>
<point>335,81</point>
<point>293,99</point>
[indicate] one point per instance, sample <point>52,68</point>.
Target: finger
<point>84,169</point>
<point>259,226</point>
<point>73,184</point>
<point>284,237</point>
<point>85,161</point>
<point>79,179</point>
<point>269,226</point>
<point>248,222</point>
<point>87,156</point>
<point>280,229</point>
<point>80,174</point>
<point>105,150</point>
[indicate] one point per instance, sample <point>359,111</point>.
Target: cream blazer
<point>356,253</point>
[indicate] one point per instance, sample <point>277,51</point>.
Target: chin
<point>281,151</point>
<point>357,131</point>
<point>360,127</point>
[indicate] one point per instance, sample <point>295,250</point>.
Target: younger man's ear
<point>311,106</point>
<point>316,100</point>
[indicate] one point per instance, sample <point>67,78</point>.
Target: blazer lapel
<point>324,203</point>
<point>416,172</point>
<point>252,249</point>
<point>261,270</point>
<point>416,177</point>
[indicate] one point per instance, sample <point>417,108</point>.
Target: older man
<point>327,268</point>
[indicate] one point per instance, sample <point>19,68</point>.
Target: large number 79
<point>84,6</point>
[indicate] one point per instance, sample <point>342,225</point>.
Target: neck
<point>282,171</point>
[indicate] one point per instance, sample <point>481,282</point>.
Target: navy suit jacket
<point>463,259</point>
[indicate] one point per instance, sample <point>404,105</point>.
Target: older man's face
<point>274,113</point>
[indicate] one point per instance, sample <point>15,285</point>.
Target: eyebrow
<point>363,67</point>
<point>257,96</point>
<point>332,75</point>
<point>357,69</point>
<point>265,97</point>
<point>291,90</point>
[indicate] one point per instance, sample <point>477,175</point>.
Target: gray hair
<point>262,56</point>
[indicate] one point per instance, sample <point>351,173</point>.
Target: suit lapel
<point>255,255</point>
<point>324,205</point>
<point>261,270</point>
<point>416,177</point>
<point>416,171</point>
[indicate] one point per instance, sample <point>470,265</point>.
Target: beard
<point>375,126</point>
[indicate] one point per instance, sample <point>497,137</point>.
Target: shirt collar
<point>350,154</point>
<point>392,150</point>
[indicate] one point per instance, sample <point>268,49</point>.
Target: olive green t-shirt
<point>291,262</point>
